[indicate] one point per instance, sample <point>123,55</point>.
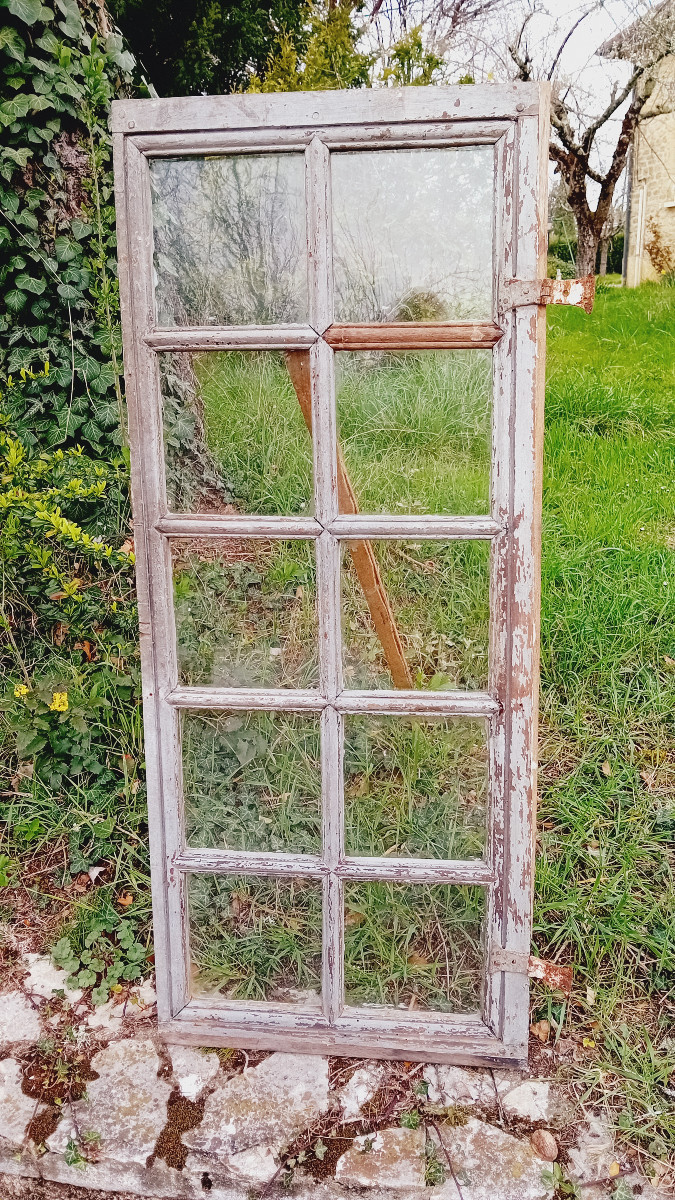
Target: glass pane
<point>411,946</point>
<point>230,244</point>
<point>234,436</point>
<point>437,594</point>
<point>412,234</point>
<point>415,788</point>
<point>252,781</point>
<point>255,939</point>
<point>415,429</point>
<point>245,612</point>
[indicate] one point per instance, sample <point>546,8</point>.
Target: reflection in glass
<point>415,429</point>
<point>414,946</point>
<point>229,239</point>
<point>255,939</point>
<point>234,436</point>
<point>438,595</point>
<point>245,612</point>
<point>412,234</point>
<point>252,781</point>
<point>415,787</point>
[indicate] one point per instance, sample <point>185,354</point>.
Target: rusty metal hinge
<point>520,963</point>
<point>517,292</point>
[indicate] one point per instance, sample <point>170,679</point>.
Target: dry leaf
<point>614,1170</point>
<point>541,1030</point>
<point>127,547</point>
<point>647,778</point>
<point>417,960</point>
<point>94,873</point>
<point>353,918</point>
<point>59,633</point>
<point>669,662</point>
<point>606,769</point>
<point>89,650</point>
<point>591,995</point>
<point>125,899</point>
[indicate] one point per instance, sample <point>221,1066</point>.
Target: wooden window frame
<point>514,120</point>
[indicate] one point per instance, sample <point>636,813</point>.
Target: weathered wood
<point>579,293</point>
<point>366,106</point>
<point>232,337</point>
<point>227,525</point>
<point>415,335</point>
<point>513,119</point>
<point>393,135</point>
<point>366,525</point>
<point>362,553</point>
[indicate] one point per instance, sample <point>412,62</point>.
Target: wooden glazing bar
<point>416,870</point>
<point>388,1020</point>
<point>362,553</point>
<point>231,337</point>
<point>419,703</point>
<point>389,136</point>
<point>238,525</point>
<point>415,335</point>
<point>332,792</point>
<point>366,525</point>
<point>247,699</point>
<point>249,862</point>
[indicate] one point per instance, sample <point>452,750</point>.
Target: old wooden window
<point>334,349</point>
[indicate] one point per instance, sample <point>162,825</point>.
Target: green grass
<point>605,894</point>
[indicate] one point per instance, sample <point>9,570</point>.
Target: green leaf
<point>28,11</point>
<point>12,43</point>
<point>15,300</point>
<point>29,284</point>
<point>80,228</point>
<point>68,292</point>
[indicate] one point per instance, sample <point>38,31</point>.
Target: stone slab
<point>19,1019</point>
<point>491,1164</point>
<point>391,1158</point>
<point>16,1110</point>
<point>193,1071</point>
<point>360,1090</point>
<point>126,1105</point>
<point>265,1105</point>
<point>44,979</point>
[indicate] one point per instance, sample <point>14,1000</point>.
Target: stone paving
<point>178,1122</point>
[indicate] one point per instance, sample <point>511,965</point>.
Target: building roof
<point>638,41</point>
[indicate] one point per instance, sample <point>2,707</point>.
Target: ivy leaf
<point>79,229</point>
<point>68,292</point>
<point>12,43</point>
<point>15,300</point>
<point>29,284</point>
<point>28,11</point>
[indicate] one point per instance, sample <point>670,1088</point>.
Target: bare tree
<point>645,43</point>
<point>451,31</point>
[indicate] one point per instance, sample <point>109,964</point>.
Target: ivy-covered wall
<point>72,807</point>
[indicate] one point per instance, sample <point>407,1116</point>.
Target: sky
<point>591,75</point>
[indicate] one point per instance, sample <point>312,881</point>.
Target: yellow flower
<point>21,690</point>
<point>59,702</point>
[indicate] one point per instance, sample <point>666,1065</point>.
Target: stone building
<point>650,216</point>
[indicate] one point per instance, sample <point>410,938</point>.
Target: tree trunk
<point>587,249</point>
<point>604,250</point>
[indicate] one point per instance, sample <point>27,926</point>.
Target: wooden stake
<point>363,555</point>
